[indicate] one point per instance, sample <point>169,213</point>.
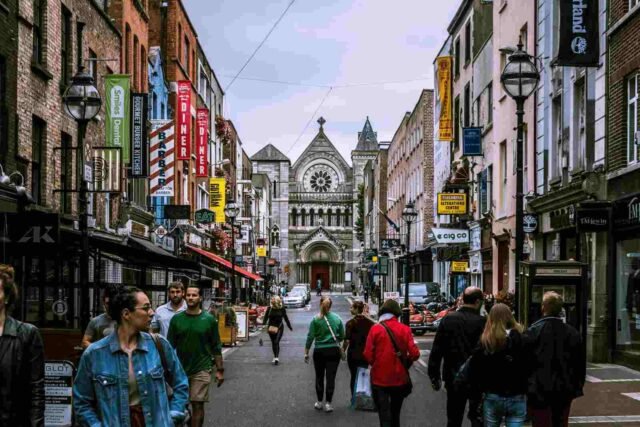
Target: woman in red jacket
<point>390,350</point>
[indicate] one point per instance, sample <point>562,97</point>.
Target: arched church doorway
<point>321,265</point>
<point>320,275</point>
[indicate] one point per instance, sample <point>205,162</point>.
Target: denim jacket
<point>101,388</point>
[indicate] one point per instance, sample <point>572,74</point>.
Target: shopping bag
<point>362,395</point>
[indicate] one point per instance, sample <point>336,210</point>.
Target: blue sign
<point>472,141</point>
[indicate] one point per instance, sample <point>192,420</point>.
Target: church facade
<point>319,216</point>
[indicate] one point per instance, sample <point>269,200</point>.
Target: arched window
<point>303,221</point>
<point>338,218</point>
<point>346,218</point>
<point>329,214</point>
<point>312,218</point>
<point>320,217</point>
<point>294,217</point>
<point>275,236</point>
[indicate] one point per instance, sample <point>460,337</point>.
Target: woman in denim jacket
<point>121,380</point>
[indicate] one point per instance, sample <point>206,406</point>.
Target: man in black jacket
<point>457,336</point>
<point>560,365</point>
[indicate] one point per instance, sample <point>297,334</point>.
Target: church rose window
<point>320,179</point>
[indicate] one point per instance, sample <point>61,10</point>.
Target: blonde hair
<point>494,336</point>
<point>325,306</point>
<point>276,302</point>
<point>552,303</point>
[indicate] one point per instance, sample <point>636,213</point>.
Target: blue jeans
<point>511,409</point>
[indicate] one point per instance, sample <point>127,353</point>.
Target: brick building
<point>8,81</point>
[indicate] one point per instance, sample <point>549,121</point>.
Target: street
<point>256,392</point>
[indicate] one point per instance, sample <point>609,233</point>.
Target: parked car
<point>422,292</point>
<point>306,289</point>
<point>297,298</point>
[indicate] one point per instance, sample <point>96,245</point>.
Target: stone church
<point>316,212</point>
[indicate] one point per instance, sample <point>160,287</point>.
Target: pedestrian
<point>327,331</point>
<point>559,365</point>
<point>194,334</point>
<point>499,369</point>
<point>121,378</point>
<point>356,332</point>
<point>366,294</point>
<point>21,363</point>
<point>274,318</point>
<point>390,350</point>
<point>164,313</point>
<point>102,325</point>
<point>456,338</point>
<point>318,285</point>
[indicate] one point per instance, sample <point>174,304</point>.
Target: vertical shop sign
<point>578,43</point>
<point>184,120</point>
<point>202,142</point>
<point>117,121</point>
<point>217,189</point>
<point>162,158</point>
<point>444,65</point>
<point>139,143</point>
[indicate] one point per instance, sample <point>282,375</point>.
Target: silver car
<point>297,298</point>
<point>307,291</point>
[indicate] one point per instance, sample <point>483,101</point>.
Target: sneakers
<point>276,361</point>
<point>318,405</point>
<point>328,407</point>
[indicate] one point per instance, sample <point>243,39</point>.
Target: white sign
<point>244,234</point>
<point>392,295</point>
<point>59,307</point>
<point>451,235</point>
<point>58,383</point>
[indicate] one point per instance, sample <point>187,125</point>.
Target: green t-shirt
<point>196,340</point>
<point>320,333</point>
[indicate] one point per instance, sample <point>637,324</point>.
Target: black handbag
<point>404,360</point>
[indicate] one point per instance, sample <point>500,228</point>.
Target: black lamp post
<point>82,102</point>
<point>409,215</point>
<point>231,211</point>
<point>519,79</point>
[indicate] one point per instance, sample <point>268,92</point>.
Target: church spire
<point>367,139</point>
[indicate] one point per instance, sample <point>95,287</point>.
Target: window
<point>66,172</point>
<point>4,114</point>
<point>38,142</point>
<point>633,3</point>
<point>136,74</point>
<point>456,53</point>
<point>503,177</point>
<point>490,103</point>
<point>65,46</point>
<point>79,46</point>
<point>127,50</point>
<point>456,122</point>
<point>632,119</point>
<point>93,65</point>
<point>294,217</point>
<point>467,43</point>
<point>187,53</point>
<point>467,105</point>
<point>39,9</point>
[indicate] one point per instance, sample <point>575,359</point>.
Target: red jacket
<point>386,368</point>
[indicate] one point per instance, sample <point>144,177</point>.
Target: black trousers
<point>275,341</point>
<point>353,368</point>
<point>456,403</point>
<point>389,403</point>
<point>325,362</point>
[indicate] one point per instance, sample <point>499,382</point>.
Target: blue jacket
<point>101,390</point>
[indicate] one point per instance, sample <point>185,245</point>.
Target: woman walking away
<point>327,331</point>
<point>498,368</point>
<point>390,350</point>
<point>274,318</point>
<point>356,333</point>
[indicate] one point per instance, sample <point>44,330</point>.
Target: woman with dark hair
<point>275,318</point>
<point>21,363</point>
<point>121,378</point>
<point>355,338</point>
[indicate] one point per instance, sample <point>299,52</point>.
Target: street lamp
<point>409,215</point>
<point>82,102</point>
<point>231,211</point>
<point>519,79</point>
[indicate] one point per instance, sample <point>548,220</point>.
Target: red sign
<point>202,140</point>
<point>184,120</point>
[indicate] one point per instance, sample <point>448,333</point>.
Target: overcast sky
<point>325,43</point>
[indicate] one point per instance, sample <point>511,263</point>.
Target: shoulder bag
<point>273,329</point>
<point>168,379</point>
<point>343,355</point>
<point>404,360</point>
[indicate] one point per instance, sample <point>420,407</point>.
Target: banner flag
<point>184,120</point>
<point>118,113</point>
<point>202,142</point>
<point>578,40</point>
<point>162,158</point>
<point>139,142</point>
<point>444,65</point>
<point>217,200</point>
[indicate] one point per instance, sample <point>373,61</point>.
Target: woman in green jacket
<point>327,330</point>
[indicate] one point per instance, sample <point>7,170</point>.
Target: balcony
<point>321,197</point>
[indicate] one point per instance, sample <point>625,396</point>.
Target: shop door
<point>320,271</point>
<point>503,264</point>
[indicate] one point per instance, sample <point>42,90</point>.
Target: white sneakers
<point>318,406</point>
<point>276,360</point>
<point>328,407</point>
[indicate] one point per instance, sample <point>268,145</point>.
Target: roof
<point>367,139</point>
<point>269,153</point>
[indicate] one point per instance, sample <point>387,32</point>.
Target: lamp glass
<point>520,76</point>
<point>231,209</point>
<point>409,212</point>
<point>82,100</point>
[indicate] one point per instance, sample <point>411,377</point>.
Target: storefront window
<point>628,294</point>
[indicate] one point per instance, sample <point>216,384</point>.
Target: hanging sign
<point>452,203</point>
<point>578,40</point>
<point>117,88</point>
<point>450,235</point>
<point>592,220</point>
<point>204,216</point>
<point>472,141</point>
<point>107,169</point>
<point>459,266</point>
<point>202,142</point>
<point>261,251</point>
<point>177,212</point>
<point>217,193</point>
<point>445,123</point>
<point>139,147</point>
<point>530,223</point>
<point>183,121</point>
<point>162,158</point>
<point>388,244</point>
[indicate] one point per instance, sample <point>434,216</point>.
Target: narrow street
<point>257,393</point>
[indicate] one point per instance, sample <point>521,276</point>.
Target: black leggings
<point>326,361</point>
<point>389,403</point>
<point>275,341</point>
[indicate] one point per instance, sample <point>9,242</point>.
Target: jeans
<point>511,409</point>
<point>389,403</point>
<point>353,368</point>
<point>456,402</point>
<point>554,415</point>
<point>325,362</point>
<point>275,341</point>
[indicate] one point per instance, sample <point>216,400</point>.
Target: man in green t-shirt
<point>194,335</point>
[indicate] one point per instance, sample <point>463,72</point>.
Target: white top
<point>163,316</point>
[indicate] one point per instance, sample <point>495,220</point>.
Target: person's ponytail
<point>325,306</point>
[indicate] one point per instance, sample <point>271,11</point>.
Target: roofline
<point>462,10</point>
<point>186,15</point>
<point>404,118</point>
<point>424,91</point>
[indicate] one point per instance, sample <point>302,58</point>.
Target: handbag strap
<point>331,330</point>
<point>163,358</point>
<point>395,346</point>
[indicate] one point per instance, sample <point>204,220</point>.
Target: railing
<point>321,197</point>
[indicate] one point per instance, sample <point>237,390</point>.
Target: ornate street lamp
<point>231,211</point>
<point>409,215</point>
<point>82,102</point>
<point>519,79</point>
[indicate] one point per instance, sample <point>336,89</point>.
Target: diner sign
<point>202,142</point>
<point>184,120</point>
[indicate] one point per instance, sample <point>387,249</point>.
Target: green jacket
<point>320,333</point>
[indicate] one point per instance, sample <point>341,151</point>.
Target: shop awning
<point>225,263</point>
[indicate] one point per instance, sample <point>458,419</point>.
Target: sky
<point>319,44</point>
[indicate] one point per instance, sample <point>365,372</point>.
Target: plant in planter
<point>222,130</point>
<point>221,241</point>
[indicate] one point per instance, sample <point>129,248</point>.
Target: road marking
<point>634,396</point>
<point>605,419</point>
<point>591,379</point>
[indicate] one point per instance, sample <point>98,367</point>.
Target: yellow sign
<point>261,251</point>
<point>444,65</point>
<point>217,192</point>
<point>452,203</point>
<point>374,259</point>
<point>459,266</point>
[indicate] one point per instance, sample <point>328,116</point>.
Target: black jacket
<point>455,340</point>
<point>559,361</point>
<point>21,375</point>
<point>276,317</point>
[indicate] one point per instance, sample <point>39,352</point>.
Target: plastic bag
<point>362,395</point>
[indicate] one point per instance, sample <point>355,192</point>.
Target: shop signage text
<point>261,251</point>
<point>451,235</point>
<point>445,122</point>
<point>204,216</point>
<point>592,220</point>
<point>139,147</point>
<point>184,120</point>
<point>626,212</point>
<point>162,158</point>
<point>58,384</point>
<point>387,244</point>
<point>472,141</point>
<point>202,142</point>
<point>530,223</point>
<point>217,188</point>
<point>459,266</point>
<point>452,203</point>
<point>578,43</point>
<point>117,88</point>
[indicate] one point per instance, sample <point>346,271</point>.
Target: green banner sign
<point>118,113</point>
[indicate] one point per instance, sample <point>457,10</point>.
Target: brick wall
<point>9,55</point>
<point>132,15</point>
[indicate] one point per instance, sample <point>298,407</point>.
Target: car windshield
<point>296,293</point>
<point>299,289</point>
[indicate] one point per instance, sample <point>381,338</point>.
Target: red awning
<point>225,263</point>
